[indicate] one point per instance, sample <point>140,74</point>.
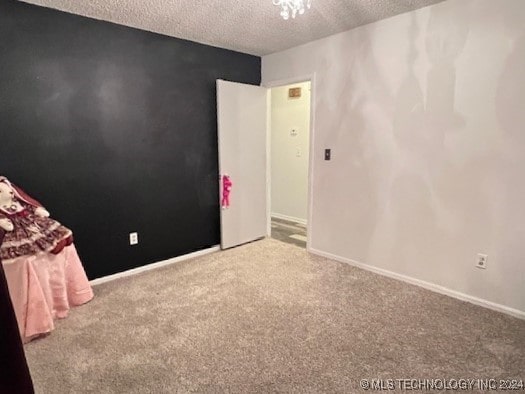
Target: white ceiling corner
<point>250,26</point>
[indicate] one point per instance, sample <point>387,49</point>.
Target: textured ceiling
<point>250,26</point>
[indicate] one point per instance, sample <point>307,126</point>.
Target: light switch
<point>328,154</point>
<point>298,152</point>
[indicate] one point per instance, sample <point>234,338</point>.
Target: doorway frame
<point>275,84</point>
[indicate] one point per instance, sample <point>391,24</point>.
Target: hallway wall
<point>290,125</point>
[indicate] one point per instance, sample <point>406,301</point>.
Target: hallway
<point>289,232</point>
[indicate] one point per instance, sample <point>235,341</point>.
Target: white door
<point>242,123</point>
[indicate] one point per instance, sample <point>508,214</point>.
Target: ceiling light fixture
<point>292,7</point>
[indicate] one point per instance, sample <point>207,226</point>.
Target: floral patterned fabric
<point>33,234</point>
<point>29,230</point>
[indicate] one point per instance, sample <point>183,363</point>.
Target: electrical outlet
<point>481,261</point>
<point>133,238</point>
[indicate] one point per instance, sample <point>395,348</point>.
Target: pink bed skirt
<point>44,287</point>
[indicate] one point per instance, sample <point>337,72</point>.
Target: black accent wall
<point>114,130</point>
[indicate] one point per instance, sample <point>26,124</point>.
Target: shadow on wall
<point>417,211</point>
<point>422,175</point>
<point>509,102</point>
<point>345,122</point>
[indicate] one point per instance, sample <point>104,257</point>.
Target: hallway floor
<point>289,232</point>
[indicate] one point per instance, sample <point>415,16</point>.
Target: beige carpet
<point>267,317</point>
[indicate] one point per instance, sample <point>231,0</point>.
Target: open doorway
<point>289,162</point>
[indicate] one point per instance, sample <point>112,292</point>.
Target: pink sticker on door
<point>226,189</point>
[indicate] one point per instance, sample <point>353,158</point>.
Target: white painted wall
<point>425,115</point>
<point>289,153</point>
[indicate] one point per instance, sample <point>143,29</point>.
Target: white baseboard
<point>153,266</point>
<point>289,218</point>
<point>427,285</point>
